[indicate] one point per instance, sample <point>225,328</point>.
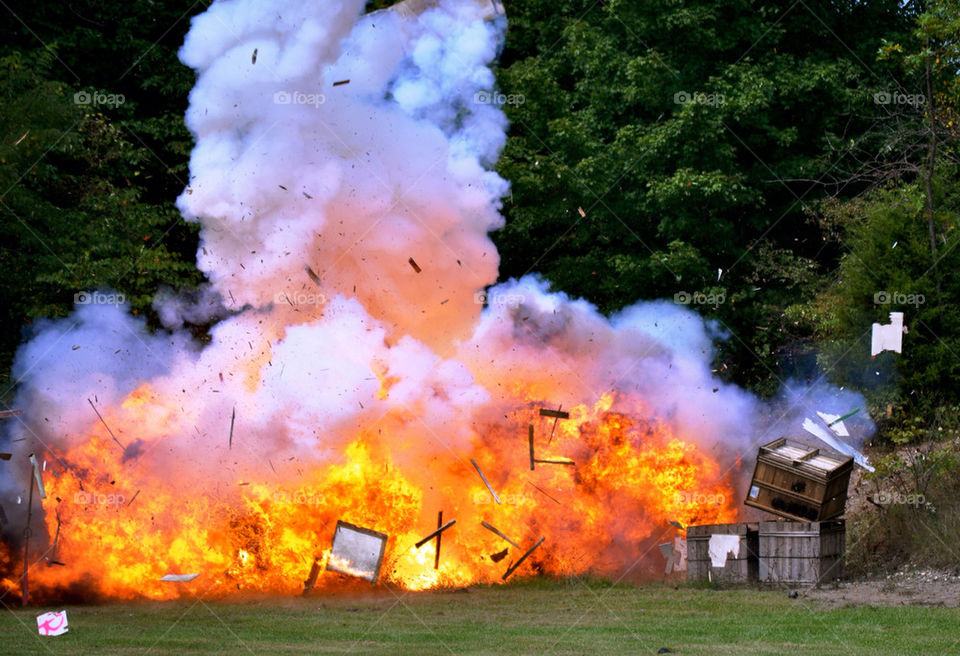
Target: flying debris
<point>52,624</point>
<point>546,461</point>
<point>513,568</point>
<point>233,416</point>
<point>178,578</point>
<point>530,440</point>
<point>100,417</point>
<point>38,476</point>
<point>675,554</point>
<point>497,531</point>
<point>557,414</point>
<point>811,427</point>
<point>435,534</point>
<point>484,478</point>
<point>835,422</point>
<point>357,551</point>
<point>436,554</point>
<point>888,337</point>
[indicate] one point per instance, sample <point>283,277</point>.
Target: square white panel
<point>357,551</point>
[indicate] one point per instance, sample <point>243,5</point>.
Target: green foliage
<point>887,269</point>
<point>913,509</point>
<point>87,182</point>
<point>690,135</point>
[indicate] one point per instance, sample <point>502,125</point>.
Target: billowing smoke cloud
<point>341,177</point>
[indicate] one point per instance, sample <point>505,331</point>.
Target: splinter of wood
<point>495,530</point>
<point>544,492</point>
<point>522,558</point>
<point>313,276</point>
<point>484,478</point>
<point>532,461</point>
<point>435,533</point>
<point>436,555</point>
<point>312,576</point>
<point>105,425</point>
<point>233,416</point>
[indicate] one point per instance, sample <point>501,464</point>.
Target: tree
<point>663,148</point>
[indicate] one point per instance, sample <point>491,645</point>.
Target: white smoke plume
<point>341,177</point>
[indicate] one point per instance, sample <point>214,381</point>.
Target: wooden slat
<point>801,552</point>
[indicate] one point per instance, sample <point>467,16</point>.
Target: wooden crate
<point>805,553</point>
<point>742,569</point>
<point>798,481</point>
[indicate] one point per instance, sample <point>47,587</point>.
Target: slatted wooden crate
<point>744,568</point>
<point>804,553</point>
<point>798,481</point>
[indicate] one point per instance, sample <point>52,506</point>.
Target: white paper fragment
<point>179,578</point>
<point>838,427</point>
<point>888,337</point>
<point>811,427</point>
<point>721,546</point>
<point>52,624</point>
<point>719,273</point>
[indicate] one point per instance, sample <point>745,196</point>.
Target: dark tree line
<point>776,165</point>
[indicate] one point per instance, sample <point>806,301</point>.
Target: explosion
<point>342,180</point>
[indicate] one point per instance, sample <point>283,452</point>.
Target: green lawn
<point>531,618</point>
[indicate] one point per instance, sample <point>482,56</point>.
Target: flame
<point>375,391</point>
<point>630,478</point>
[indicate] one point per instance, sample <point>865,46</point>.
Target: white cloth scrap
<point>52,624</point>
<point>888,337</point>
<point>720,546</point>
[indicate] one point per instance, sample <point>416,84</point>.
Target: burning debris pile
<point>359,376</point>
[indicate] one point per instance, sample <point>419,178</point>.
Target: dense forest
<point>789,170</point>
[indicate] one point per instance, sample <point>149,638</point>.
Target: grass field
<point>528,618</point>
